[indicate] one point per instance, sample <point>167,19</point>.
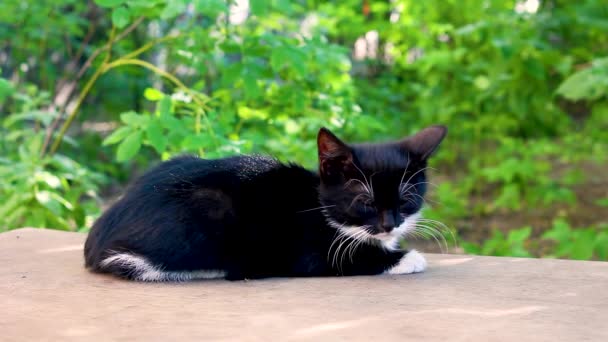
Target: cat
<point>248,217</point>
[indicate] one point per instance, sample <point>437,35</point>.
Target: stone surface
<point>47,295</point>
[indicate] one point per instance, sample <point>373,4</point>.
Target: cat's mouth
<point>389,240</point>
<point>383,235</point>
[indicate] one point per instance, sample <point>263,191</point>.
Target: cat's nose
<point>387,221</point>
<point>387,227</point>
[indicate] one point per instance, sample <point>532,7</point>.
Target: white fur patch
<point>391,240</point>
<point>412,262</point>
<point>350,231</point>
<point>141,269</point>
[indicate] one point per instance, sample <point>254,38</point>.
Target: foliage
<point>112,86</point>
<point>41,191</point>
<point>584,243</point>
<point>513,244</point>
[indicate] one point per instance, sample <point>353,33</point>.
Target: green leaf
<point>129,147</point>
<point>278,58</point>
<point>164,106</point>
<point>252,91</point>
<point>109,3</point>
<point>559,232</point>
<point>519,235</point>
<point>583,245</point>
<point>154,132</point>
<point>482,82</point>
<point>587,84</point>
<point>471,248</point>
<point>132,118</point>
<point>172,124</point>
<point>47,178</point>
<point>603,202</point>
<point>121,17</point>
<point>35,115</point>
<point>601,245</point>
<point>297,60</point>
<point>173,9</point>
<point>144,4</point>
<point>117,135</point>
<point>210,7</point>
<point>153,94</point>
<point>231,74</point>
<point>11,203</point>
<point>53,202</point>
<point>535,68</point>
<point>247,113</point>
<point>6,89</point>
<point>283,6</point>
<point>259,7</point>
<point>194,142</point>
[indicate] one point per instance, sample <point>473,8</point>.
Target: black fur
<point>254,217</point>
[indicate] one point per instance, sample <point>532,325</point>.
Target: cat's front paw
<point>412,262</point>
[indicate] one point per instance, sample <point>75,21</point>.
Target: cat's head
<point>374,192</point>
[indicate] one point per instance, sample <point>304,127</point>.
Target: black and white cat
<point>253,217</point>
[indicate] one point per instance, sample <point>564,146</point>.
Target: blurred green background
<point>94,92</point>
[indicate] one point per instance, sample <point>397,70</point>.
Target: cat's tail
<point>136,267</point>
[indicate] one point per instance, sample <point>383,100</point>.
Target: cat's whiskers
<point>337,253</point>
<point>317,208</point>
<point>427,233</point>
<point>348,183</point>
<point>415,234</point>
<point>349,241</point>
<point>405,192</point>
<point>358,239</point>
<point>406,168</point>
<point>343,237</point>
<point>441,227</point>
<point>367,191</point>
<point>337,236</point>
<point>425,228</point>
<point>417,172</point>
<point>368,200</point>
<point>371,182</point>
<point>403,188</point>
<point>346,242</point>
<point>365,239</point>
<point>334,255</point>
<point>369,188</point>
<point>433,232</point>
<point>425,200</point>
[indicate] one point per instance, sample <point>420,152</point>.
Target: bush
<point>111,87</point>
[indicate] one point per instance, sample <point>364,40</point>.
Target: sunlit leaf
<point>121,17</point>
<point>154,133</point>
<point>117,135</point>
<point>153,94</point>
<point>129,147</point>
<point>109,3</point>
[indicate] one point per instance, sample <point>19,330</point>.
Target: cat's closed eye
<point>363,202</point>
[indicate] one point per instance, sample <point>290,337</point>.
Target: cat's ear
<point>334,155</point>
<point>425,142</point>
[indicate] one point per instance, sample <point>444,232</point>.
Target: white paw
<point>412,262</point>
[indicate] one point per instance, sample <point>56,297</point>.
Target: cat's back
<point>194,169</point>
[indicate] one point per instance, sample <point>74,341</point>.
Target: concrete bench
<point>47,295</point>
